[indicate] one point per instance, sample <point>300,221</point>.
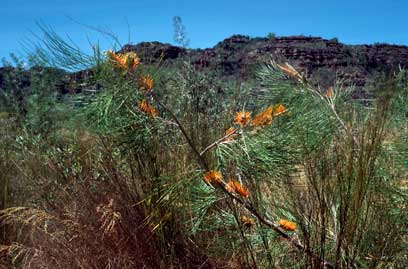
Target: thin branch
<point>201,160</point>
<point>294,242</point>
<point>219,141</point>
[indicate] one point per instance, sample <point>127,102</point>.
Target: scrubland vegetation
<point>174,168</point>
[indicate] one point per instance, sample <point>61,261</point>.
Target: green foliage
<point>31,99</point>
<point>271,37</point>
<point>51,49</point>
<point>334,40</point>
<point>107,184</point>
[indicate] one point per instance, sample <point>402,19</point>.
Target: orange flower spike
<point>263,118</point>
<point>112,55</point>
<point>279,110</point>
<point>147,108</point>
<point>230,186</point>
<point>131,60</point>
<point>242,118</point>
<point>144,106</point>
<point>212,175</point>
<point>116,58</point>
<point>230,132</point>
<point>146,83</point>
<point>247,221</point>
<point>287,225</point>
<point>235,186</point>
<point>241,190</point>
<point>153,111</point>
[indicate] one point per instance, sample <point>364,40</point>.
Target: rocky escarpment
<point>319,59</point>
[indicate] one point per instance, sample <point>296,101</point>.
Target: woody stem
<point>200,158</point>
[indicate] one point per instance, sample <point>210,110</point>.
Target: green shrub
<point>178,173</point>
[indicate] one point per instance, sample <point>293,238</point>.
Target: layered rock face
<point>321,60</point>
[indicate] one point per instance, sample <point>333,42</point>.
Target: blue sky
<point>207,22</point>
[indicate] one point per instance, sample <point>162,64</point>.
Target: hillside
<point>319,59</point>
<point>184,160</point>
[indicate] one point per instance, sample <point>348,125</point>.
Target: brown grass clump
<point>82,232</point>
<point>96,219</point>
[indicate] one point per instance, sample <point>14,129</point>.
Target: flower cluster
<point>287,225</point>
<point>230,133</point>
<point>147,108</point>
<point>125,61</point>
<point>129,61</point>
<point>247,221</point>
<point>235,186</point>
<point>242,118</point>
<point>212,176</point>
<point>262,119</point>
<point>146,83</point>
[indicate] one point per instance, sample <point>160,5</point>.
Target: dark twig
<point>219,141</point>
<point>201,160</point>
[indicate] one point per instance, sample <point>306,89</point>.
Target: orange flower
<point>212,175</point>
<point>131,60</point>
<point>287,225</point>
<point>144,106</point>
<point>247,221</point>
<point>229,186</point>
<point>146,83</point>
<point>235,186</point>
<point>263,118</point>
<point>230,132</point>
<point>127,61</point>
<point>241,190</point>
<point>147,108</point>
<point>279,110</point>
<point>116,58</point>
<point>242,118</point>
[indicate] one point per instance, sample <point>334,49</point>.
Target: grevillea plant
<point>178,169</point>
<point>248,152</point>
<point>233,188</point>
